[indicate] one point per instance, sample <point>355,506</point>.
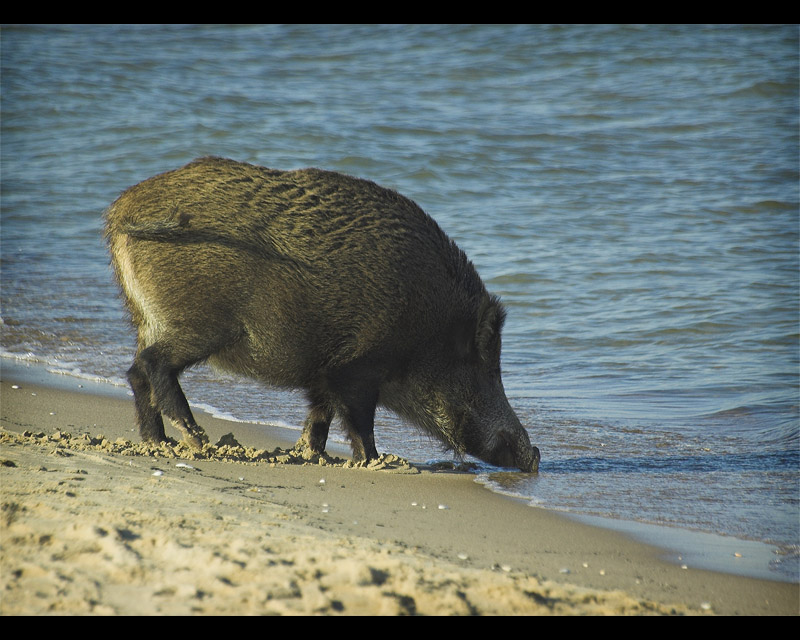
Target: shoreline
<point>363,533</point>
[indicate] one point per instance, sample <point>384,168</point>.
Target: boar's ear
<point>490,324</point>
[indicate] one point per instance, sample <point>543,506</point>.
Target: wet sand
<point>94,523</point>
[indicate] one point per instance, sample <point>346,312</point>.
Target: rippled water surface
<point>630,192</point>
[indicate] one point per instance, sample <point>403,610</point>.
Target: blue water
<point>631,192</point>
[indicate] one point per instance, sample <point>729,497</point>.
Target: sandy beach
<point>93,523</point>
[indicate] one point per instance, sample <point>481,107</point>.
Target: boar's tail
<point>166,231</point>
<point>179,232</point>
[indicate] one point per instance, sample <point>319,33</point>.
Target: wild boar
<point>312,280</point>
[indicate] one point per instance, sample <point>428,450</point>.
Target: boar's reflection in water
<point>310,280</point>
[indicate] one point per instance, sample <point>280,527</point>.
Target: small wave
<point>55,367</point>
<point>229,417</point>
<point>787,561</point>
<point>765,89</point>
<point>77,373</point>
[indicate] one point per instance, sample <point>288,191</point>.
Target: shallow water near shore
<point>630,192</point>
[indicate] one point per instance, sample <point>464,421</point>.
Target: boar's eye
<point>460,342</point>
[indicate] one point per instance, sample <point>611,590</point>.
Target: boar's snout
<point>507,446</point>
<point>530,460</point>
<point>522,456</point>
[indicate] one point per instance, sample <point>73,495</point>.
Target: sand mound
<point>226,449</point>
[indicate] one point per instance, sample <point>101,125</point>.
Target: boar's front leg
<point>359,420</point>
<point>354,395</point>
<point>356,409</point>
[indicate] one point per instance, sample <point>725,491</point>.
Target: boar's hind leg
<point>151,426</point>
<point>315,430</point>
<point>155,386</point>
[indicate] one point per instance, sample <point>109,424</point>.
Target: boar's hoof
<point>308,444</point>
<point>302,450</point>
<point>194,442</point>
<point>193,435</point>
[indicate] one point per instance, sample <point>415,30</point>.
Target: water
<point>630,192</point>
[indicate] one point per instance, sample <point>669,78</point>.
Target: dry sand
<point>94,523</point>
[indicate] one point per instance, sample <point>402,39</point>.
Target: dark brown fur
<point>314,280</point>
